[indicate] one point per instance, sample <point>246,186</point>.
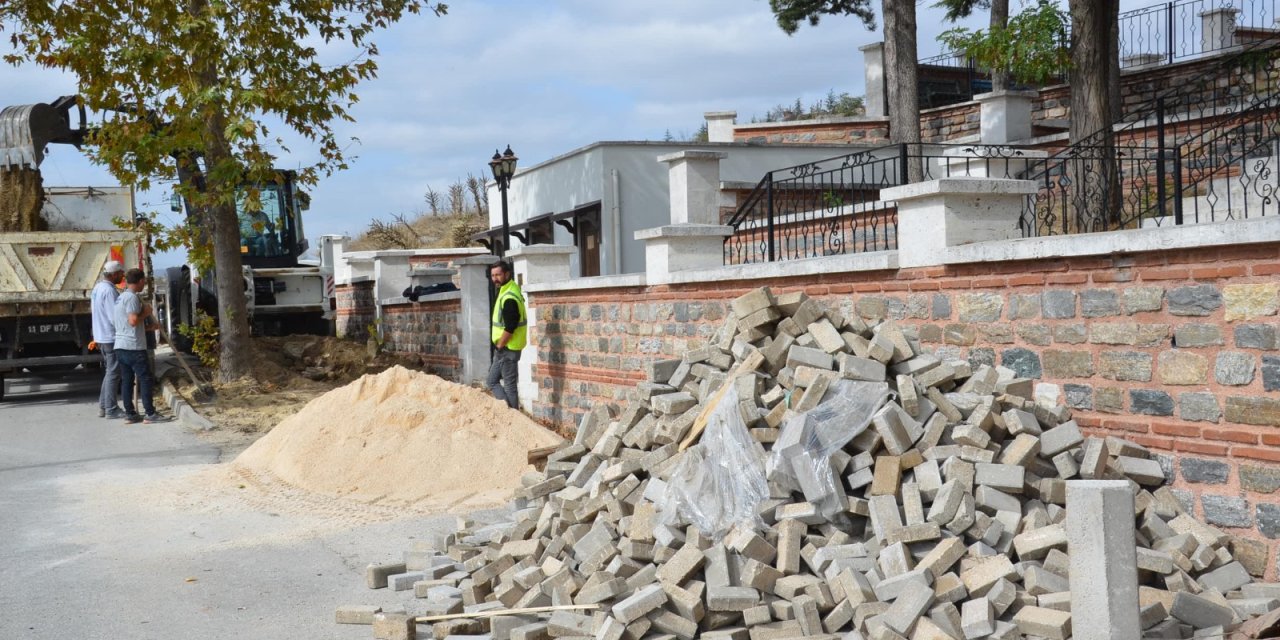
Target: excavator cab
<point>271,234</point>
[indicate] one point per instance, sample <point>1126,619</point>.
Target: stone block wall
<point>873,132</point>
<point>355,310</point>
<point>1176,350</point>
<point>429,330</point>
<point>947,124</point>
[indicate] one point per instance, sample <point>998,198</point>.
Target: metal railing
<point>1172,31</point>
<point>833,206</point>
<point>1118,177</point>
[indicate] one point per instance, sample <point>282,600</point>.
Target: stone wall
<point>1176,350</point>
<point>948,124</point>
<point>428,330</point>
<point>355,310</point>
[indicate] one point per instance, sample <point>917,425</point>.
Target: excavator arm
<point>25,130</point>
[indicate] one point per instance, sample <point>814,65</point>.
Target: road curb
<point>182,410</point>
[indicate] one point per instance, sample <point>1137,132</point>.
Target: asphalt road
<point>114,531</point>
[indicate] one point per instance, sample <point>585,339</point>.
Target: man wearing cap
<point>102,309</point>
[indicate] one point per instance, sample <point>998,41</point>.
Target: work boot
<point>114,413</point>
<point>153,418</point>
<point>132,419</point>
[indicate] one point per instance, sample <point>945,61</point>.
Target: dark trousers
<point>134,365</point>
<point>504,370</point>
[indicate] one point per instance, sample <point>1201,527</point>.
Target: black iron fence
<point>1175,31</point>
<point>1165,149</point>
<point>833,207</point>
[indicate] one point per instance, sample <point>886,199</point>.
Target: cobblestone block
<point>1099,303</point>
<point>1233,368</point>
<point>1259,479</point>
<point>1204,471</point>
<point>1255,336</point>
<point>1248,301</point>
<point>1153,335</point>
<point>1067,364</point>
<point>1253,410</point>
<point>1059,304</point>
<point>1078,396</point>
<point>1150,402</point>
<point>1198,335</point>
<point>1199,406</point>
<point>1036,334</point>
<point>1125,365</point>
<point>1271,373</point>
<point>1268,519</point>
<point>1226,511</point>
<point>1137,299</point>
<point>995,333</point>
<point>1070,333</point>
<point>1108,399</point>
<point>1024,306</point>
<point>982,356</point>
<point>960,334</point>
<point>941,307</point>
<point>1025,363</point>
<point>1113,333</point>
<point>1196,300</point>
<point>1182,368</point>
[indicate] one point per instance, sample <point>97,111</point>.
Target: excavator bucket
<point>25,131</point>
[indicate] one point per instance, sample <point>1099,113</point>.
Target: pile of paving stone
<point>930,506</point>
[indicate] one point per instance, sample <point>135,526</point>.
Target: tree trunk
<point>1094,174</point>
<point>999,20</point>
<point>236,358</point>
<point>1113,82</point>
<point>900,77</point>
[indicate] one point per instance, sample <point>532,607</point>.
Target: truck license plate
<point>47,329</point>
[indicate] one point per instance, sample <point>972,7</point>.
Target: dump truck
<point>49,267</point>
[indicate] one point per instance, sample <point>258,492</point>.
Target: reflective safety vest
<point>509,291</point>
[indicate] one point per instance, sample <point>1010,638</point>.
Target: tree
<point>999,21</point>
<point>1096,181</point>
<point>1028,47</point>
<point>189,89</point>
<point>899,55</point>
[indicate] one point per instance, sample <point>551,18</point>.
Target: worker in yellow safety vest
<point>508,332</point>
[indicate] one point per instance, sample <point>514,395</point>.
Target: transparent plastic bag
<point>719,482</point>
<point>801,457</point>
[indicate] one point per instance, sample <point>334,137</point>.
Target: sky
<point>545,77</point>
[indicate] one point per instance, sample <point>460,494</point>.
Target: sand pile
<point>402,437</point>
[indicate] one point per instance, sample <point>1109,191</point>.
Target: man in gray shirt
<point>131,317</point>
<point>102,309</point>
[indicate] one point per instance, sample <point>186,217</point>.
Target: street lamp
<point>504,166</point>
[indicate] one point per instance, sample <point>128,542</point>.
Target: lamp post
<point>504,166</point>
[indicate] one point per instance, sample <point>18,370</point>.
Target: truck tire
<point>178,308</point>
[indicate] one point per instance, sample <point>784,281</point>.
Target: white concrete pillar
<point>720,125</point>
<point>937,214</point>
<point>682,247</point>
<point>1104,566</point>
<point>473,322</point>
<point>873,72</point>
<point>693,179</point>
<point>1218,29</point>
<point>1006,116</point>
<point>536,264</point>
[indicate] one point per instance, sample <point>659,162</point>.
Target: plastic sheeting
<point>801,458</point>
<point>719,482</point>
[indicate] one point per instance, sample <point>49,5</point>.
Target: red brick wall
<point>1176,350</point>
<point>429,331</point>
<point>355,310</point>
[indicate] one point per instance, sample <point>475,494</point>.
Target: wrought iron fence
<point>833,206</point>
<point>1175,31</point>
<point>1140,170</point>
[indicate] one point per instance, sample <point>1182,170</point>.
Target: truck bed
<point>58,266</point>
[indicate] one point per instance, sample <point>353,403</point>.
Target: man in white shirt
<point>102,309</point>
<point>131,317</point>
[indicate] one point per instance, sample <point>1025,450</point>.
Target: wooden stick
<point>748,364</point>
<point>505,612</point>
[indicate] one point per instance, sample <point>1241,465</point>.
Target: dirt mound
<point>402,437</point>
